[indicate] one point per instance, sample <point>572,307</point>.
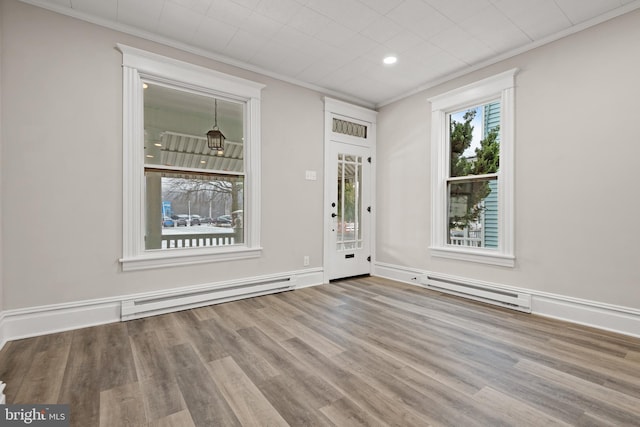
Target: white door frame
<point>345,111</point>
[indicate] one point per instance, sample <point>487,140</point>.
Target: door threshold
<point>359,276</point>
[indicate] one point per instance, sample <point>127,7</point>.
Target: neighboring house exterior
<point>490,226</point>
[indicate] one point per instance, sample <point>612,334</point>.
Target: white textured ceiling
<point>338,45</point>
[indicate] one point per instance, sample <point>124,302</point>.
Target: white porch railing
<point>469,238</point>
<point>171,241</point>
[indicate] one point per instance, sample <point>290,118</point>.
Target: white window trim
<point>137,65</point>
<point>499,86</point>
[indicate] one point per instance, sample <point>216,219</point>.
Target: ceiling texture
<point>337,46</point>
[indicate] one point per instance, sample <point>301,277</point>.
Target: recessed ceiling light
<point>144,85</point>
<point>390,60</point>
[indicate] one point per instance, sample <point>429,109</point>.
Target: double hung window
<point>472,172</point>
<point>186,200</point>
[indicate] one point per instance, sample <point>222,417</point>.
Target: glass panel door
<point>350,218</point>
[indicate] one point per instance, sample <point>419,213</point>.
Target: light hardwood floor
<point>366,351</point>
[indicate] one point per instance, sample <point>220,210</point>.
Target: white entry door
<point>349,209</point>
<point>349,182</point>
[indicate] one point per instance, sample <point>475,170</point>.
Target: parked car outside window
<point>184,219</point>
<point>223,221</point>
<point>180,220</point>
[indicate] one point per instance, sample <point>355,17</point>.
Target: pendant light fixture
<point>215,138</point>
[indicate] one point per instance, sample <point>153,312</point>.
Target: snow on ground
<point>196,229</point>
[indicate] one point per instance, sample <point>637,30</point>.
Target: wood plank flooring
<point>361,352</point>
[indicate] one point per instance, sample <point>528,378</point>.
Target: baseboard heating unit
<point>177,300</point>
<point>478,291</point>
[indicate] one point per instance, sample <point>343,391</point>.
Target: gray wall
<point>62,166</point>
<point>577,151</point>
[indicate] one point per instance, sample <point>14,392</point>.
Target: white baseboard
<point>623,320</point>
<point>35,321</point>
<point>307,278</point>
<point>398,273</point>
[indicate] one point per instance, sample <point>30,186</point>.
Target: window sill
<point>475,255</point>
<point>180,257</point>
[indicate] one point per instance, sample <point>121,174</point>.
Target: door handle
<point>333,215</point>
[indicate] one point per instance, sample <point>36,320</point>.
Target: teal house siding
<point>491,117</point>
<point>491,217</point>
<point>491,120</point>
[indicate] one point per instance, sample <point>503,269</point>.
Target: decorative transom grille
<point>349,128</point>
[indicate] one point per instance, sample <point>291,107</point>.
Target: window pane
<point>349,232</point>
<point>473,213</point>
<point>474,140</point>
<point>349,128</point>
<point>188,210</point>
<point>176,123</point>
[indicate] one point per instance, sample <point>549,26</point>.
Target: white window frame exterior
<point>139,65</point>
<point>500,86</point>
